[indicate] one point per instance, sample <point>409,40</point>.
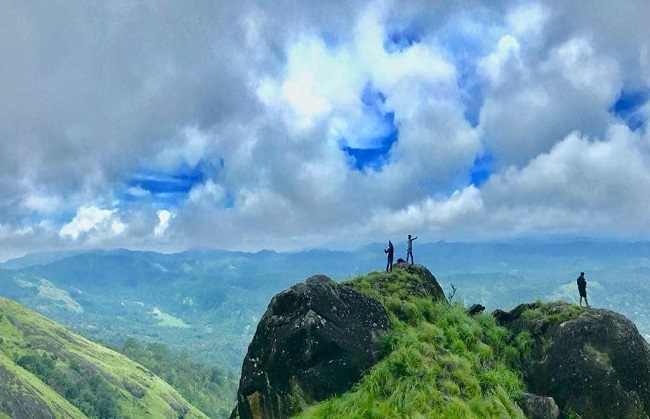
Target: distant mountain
<point>206,303</point>
<point>32,259</point>
<point>203,303</point>
<point>48,371</point>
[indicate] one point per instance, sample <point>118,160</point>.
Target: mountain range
<point>206,303</point>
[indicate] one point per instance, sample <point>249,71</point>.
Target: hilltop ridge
<point>435,360</point>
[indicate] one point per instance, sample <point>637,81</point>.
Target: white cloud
<point>117,227</point>
<point>589,185</point>
<point>5,231</point>
<point>164,216</point>
<point>138,191</point>
<point>260,98</point>
<point>644,58</point>
<point>42,204</point>
<point>209,193</point>
<point>190,147</point>
<point>431,215</point>
<point>503,60</point>
<point>578,62</point>
<point>570,89</point>
<point>95,221</point>
<point>528,19</point>
<point>300,92</point>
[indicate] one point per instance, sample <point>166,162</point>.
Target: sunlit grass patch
<point>168,320</point>
<point>555,312</point>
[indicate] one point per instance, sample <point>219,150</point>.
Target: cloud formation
<point>245,126</point>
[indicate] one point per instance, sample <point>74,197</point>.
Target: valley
<point>206,304</point>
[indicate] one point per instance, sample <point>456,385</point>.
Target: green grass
<point>16,380</point>
<point>439,362</point>
<point>555,312</point>
<point>167,320</point>
<point>82,370</point>
<point>600,357</point>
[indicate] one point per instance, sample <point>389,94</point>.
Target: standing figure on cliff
<point>582,288</point>
<point>390,251</point>
<point>409,249</point>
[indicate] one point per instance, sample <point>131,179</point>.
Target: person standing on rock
<point>390,251</point>
<point>582,288</point>
<point>409,249</point>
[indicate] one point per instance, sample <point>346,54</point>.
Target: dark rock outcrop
<point>315,340</point>
<point>540,407</point>
<point>475,309</point>
<point>593,362</point>
<point>505,317</point>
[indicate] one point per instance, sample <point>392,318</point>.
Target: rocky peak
<point>316,339</point>
<point>593,362</point>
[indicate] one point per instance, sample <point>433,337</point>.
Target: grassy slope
<point>19,388</point>
<point>139,392</point>
<point>440,362</point>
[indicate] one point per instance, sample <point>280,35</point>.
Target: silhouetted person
<point>390,251</point>
<point>582,288</point>
<point>409,249</point>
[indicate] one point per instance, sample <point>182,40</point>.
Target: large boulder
<point>540,407</point>
<point>593,362</point>
<point>316,339</point>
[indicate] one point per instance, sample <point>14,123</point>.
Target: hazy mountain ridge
<point>207,302</point>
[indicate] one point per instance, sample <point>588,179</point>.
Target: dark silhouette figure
<point>390,251</point>
<point>409,249</point>
<point>582,288</point>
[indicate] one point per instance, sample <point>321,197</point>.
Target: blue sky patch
<point>330,39</point>
<point>371,149</point>
<point>169,187</point>
<point>229,201</point>
<point>372,158</point>
<point>166,183</point>
<point>481,170</point>
<point>472,98</point>
<point>464,48</point>
<point>627,107</point>
<point>371,97</point>
<point>399,40</point>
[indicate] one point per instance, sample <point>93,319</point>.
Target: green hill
<point>435,359</point>
<point>48,371</point>
<point>440,362</point>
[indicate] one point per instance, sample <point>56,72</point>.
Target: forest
<point>208,388</point>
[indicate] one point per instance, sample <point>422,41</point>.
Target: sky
<point>249,125</point>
